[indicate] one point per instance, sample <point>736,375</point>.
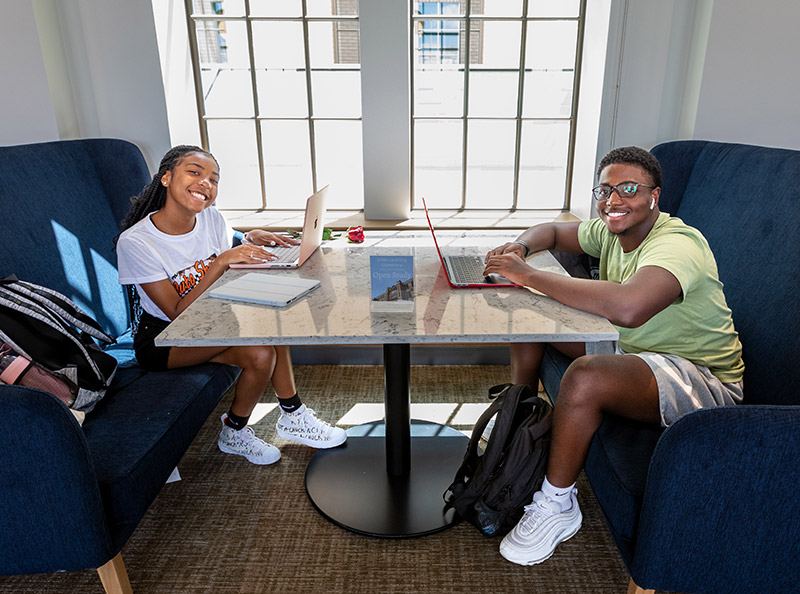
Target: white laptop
<point>294,256</point>
<point>267,289</point>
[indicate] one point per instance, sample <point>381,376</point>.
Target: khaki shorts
<point>684,386</point>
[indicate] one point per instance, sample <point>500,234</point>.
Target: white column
<point>386,126</point>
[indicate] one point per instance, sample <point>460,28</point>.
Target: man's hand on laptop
<point>508,264</point>
<point>511,247</point>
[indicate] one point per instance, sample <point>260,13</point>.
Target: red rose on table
<point>355,234</point>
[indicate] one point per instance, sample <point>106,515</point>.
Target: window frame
<point>394,202</point>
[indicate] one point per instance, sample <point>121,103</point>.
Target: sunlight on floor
<point>261,410</point>
<point>461,417</point>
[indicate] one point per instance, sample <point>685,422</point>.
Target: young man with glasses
<point>677,350</point>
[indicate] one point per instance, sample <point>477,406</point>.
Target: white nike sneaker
<point>541,529</point>
<point>304,427</point>
<point>245,443</point>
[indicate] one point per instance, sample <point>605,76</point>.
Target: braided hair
<point>154,195</point>
<point>152,198</point>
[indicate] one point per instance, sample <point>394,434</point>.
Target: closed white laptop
<point>293,257</point>
<point>267,289</point>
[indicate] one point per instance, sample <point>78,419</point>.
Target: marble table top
<point>339,311</point>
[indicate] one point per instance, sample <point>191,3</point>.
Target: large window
<point>280,98</point>
<point>493,125</point>
<point>494,88</point>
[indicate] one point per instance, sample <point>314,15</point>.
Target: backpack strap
<point>26,307</point>
<point>505,401</point>
<point>61,305</point>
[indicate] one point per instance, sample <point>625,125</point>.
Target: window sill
<point>338,220</point>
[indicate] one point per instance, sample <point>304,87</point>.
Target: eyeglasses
<point>626,189</point>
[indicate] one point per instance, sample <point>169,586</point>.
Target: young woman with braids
<point>174,245</point>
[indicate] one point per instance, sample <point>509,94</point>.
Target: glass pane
<point>437,162</point>
<point>340,162</point>
<point>547,94</point>
<point>274,8</point>
<point>497,8</point>
<point>439,7</point>
<point>490,164</point>
<point>495,44</point>
<point>493,94</point>
<point>332,7</point>
<point>543,164</point>
<point>436,42</point>
<point>233,143</point>
<point>287,163</point>
<point>278,44</point>
<point>227,93</point>
<point>222,42</point>
<point>332,44</point>
<point>282,94</point>
<point>551,45</point>
<point>336,94</point>
<point>226,7</point>
<point>438,92</point>
<point>554,8</point>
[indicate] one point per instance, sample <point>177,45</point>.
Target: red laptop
<point>467,270</point>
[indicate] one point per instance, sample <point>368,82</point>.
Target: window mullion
<point>198,84</point>
<point>465,146</point>
<point>520,91</point>
<point>309,98</point>
<point>574,115</point>
<point>256,121</point>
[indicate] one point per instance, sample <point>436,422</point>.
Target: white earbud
<point>652,203</point>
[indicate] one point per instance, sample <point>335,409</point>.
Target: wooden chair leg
<point>634,589</point>
<point>114,577</point>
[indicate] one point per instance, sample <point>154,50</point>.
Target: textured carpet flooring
<point>231,527</point>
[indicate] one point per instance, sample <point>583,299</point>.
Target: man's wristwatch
<point>525,245</point>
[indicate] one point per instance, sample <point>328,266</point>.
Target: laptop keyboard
<point>285,254</point>
<point>466,269</point>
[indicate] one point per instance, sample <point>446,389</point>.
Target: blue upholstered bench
<point>71,495</point>
<point>710,504</point>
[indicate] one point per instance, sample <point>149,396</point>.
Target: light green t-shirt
<point>698,325</point>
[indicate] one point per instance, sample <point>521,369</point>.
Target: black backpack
<point>491,488</point>
<point>48,342</point>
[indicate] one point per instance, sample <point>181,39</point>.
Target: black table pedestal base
<point>350,485</point>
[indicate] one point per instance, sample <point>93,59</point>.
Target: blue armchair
<point>72,495</point>
<point>710,504</point>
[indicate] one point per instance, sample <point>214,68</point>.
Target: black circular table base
<point>350,486</point>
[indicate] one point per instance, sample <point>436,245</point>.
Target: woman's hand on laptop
<point>246,253</point>
<point>269,239</point>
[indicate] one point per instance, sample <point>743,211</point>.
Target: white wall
<point>750,91</point>
<point>81,69</point>
<point>716,70</point>
<point>26,108</point>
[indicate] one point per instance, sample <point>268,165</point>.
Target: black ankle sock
<point>290,405</point>
<point>235,421</point>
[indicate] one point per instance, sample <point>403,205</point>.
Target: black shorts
<point>150,356</point>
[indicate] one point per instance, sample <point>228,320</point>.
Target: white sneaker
<point>245,443</point>
<point>304,427</point>
<point>541,529</point>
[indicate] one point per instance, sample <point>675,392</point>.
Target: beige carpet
<point>231,527</point>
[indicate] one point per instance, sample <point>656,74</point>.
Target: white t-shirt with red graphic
<point>146,255</point>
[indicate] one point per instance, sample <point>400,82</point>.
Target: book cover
<point>392,283</point>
